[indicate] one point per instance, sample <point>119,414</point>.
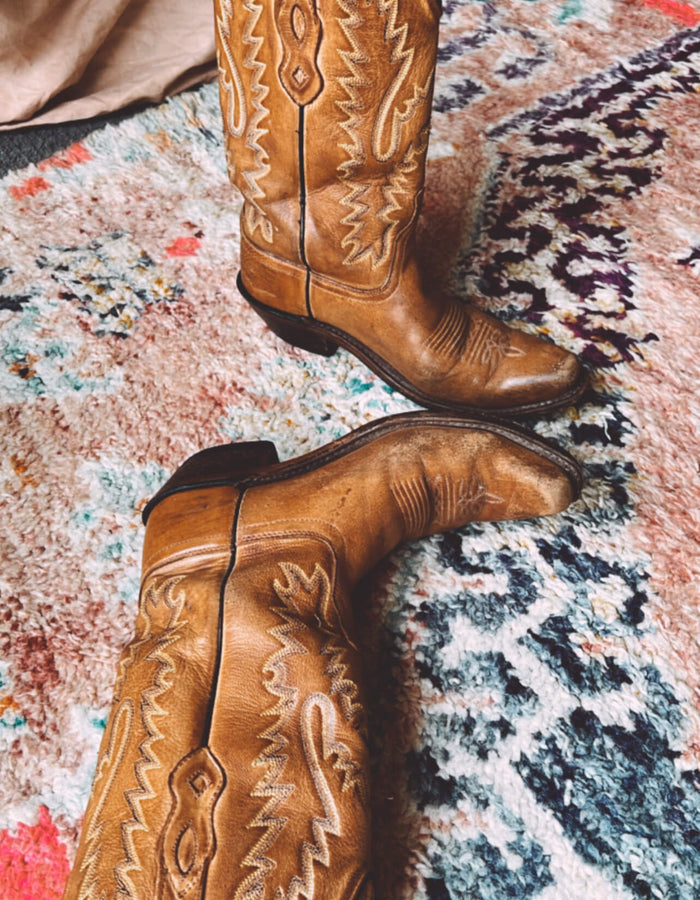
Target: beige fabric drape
<point>74,59</point>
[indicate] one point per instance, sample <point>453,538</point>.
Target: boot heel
<point>297,335</point>
<point>216,467</point>
<point>292,329</point>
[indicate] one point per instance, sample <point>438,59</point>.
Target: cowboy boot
<point>326,109</point>
<point>234,761</point>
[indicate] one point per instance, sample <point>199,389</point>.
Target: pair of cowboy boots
<point>234,764</point>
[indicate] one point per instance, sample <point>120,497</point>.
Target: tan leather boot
<point>326,107</point>
<point>234,761</point>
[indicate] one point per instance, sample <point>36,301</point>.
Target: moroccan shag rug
<point>535,686</point>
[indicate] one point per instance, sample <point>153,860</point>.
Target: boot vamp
<point>409,482</point>
<point>448,349</point>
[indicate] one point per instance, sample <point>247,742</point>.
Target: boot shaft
<point>326,107</point>
<point>234,762</point>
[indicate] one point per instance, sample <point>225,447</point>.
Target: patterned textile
<point>535,685</point>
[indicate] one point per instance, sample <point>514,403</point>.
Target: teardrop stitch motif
<point>379,209</point>
<point>299,29</point>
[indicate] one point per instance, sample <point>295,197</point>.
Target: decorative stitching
<point>234,109</point>
<point>299,28</point>
<point>449,336</point>
<point>330,823</point>
<point>487,345</point>
<point>151,648</point>
<point>443,500</point>
<point>396,36</point>
<point>344,688</point>
<point>189,840</point>
<point>415,504</point>
<point>120,728</point>
<point>150,709</point>
<point>273,757</point>
<point>460,499</point>
<point>373,204</point>
<point>255,217</point>
<point>314,592</point>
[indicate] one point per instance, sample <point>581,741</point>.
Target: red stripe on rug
<point>681,12</point>
<point>66,159</point>
<point>29,188</point>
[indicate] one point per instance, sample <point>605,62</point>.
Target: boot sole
<point>230,465</point>
<point>319,337</point>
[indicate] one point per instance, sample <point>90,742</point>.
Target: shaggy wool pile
<point>535,686</point>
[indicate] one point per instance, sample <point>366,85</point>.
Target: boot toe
<point>549,491</point>
<point>527,478</point>
<point>511,372</point>
<point>535,375</point>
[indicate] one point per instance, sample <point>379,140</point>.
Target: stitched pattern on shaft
<point>378,208</point>
<point>299,29</point>
<point>302,596</point>
<point>249,180</point>
<point>189,840</point>
<point>110,762</point>
<point>152,648</point>
<point>386,144</point>
<point>231,86</point>
<point>341,687</point>
<point>273,757</point>
<point>318,726</point>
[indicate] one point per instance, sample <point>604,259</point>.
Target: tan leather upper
<point>367,138</point>
<point>234,762</point>
<point>261,148</point>
<point>367,71</point>
<point>326,108</point>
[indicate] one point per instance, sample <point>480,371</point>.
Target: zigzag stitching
<point>396,35</point>
<point>397,187</point>
<point>254,214</point>
<point>344,688</point>
<point>111,762</point>
<point>355,149</point>
<point>271,756</point>
<point>352,59</point>
<point>149,710</point>
<point>330,824</point>
<point>233,86</point>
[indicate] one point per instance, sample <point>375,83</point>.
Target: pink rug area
<point>536,685</point>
